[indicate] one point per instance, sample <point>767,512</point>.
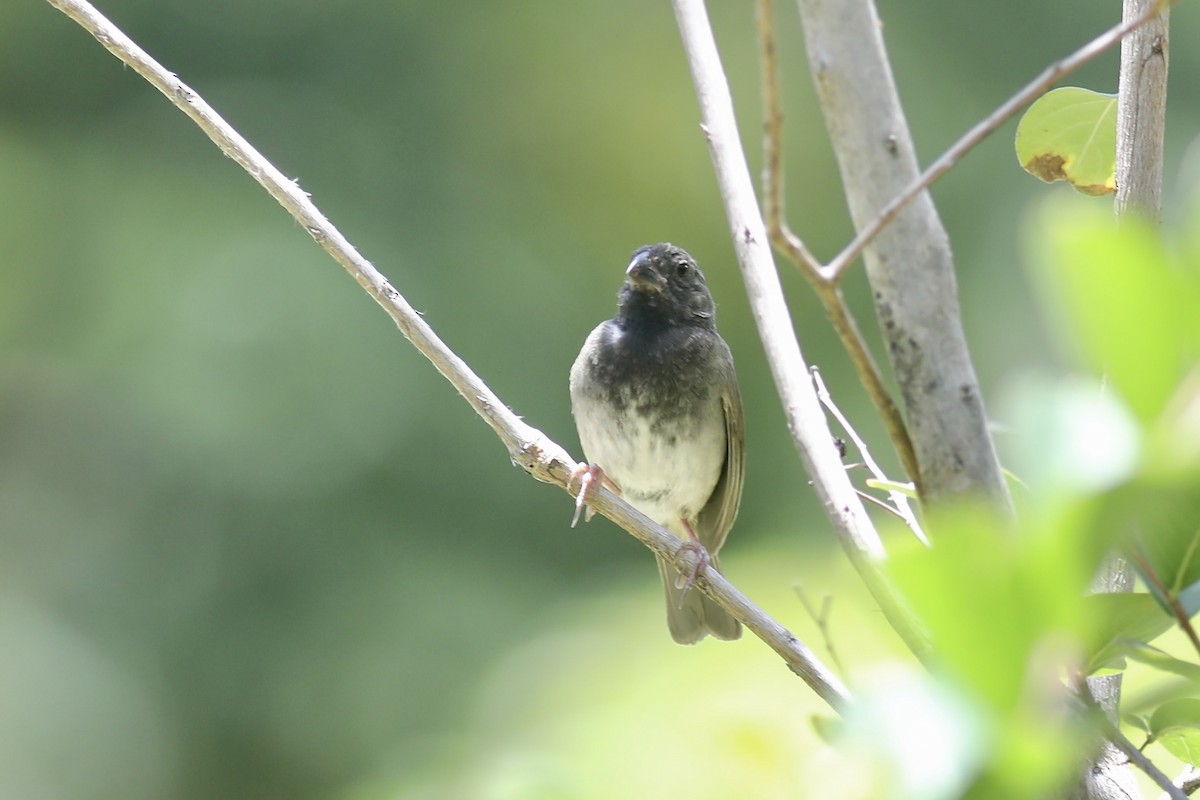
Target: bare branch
<point>810,433</point>
<point>530,448</point>
<point>821,618</point>
<point>781,235</point>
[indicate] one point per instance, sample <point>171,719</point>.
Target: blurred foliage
<point>253,546</point>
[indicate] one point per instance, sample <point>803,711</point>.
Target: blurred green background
<point>252,545</point>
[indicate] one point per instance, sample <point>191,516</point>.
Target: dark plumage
<point>657,406</point>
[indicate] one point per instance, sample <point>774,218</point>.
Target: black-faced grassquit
<point>659,415</point>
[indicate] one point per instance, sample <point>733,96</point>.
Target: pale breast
<point>666,459</point>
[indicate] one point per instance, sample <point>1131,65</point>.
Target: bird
<point>659,413</point>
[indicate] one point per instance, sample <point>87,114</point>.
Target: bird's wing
<point>716,518</point>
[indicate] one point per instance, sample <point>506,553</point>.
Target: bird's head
<point>664,284</point>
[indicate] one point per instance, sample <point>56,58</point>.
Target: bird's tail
<point>693,616</point>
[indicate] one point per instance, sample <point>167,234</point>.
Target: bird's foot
<point>702,559</point>
<point>589,476</point>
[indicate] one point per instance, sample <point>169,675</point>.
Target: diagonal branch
<point>530,448</point>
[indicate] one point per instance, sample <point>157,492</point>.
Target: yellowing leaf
<point>1070,134</point>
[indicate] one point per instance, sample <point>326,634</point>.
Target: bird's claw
<point>587,475</point>
<point>699,563</point>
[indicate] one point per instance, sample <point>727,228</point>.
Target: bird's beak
<point>642,275</point>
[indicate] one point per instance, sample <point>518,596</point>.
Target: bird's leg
<point>693,544</point>
<point>588,475</point>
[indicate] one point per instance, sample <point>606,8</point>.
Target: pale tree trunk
<point>909,265</point>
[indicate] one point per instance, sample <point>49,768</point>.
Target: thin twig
<point>530,448</point>
<point>810,433</point>
<point>794,249</point>
<point>869,375</point>
<point>875,501</point>
<point>781,235</point>
<point>834,270</point>
<point>899,500</point>
<point>821,618</point>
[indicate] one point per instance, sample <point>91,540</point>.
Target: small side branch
<point>821,618</point>
<point>900,506</point>
<point>782,236</point>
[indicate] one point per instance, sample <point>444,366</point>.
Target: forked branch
<point>825,279</point>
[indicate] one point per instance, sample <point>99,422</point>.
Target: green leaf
<point>1070,134</point>
<point>930,737</point>
<point>1176,726</point>
<point>1139,721</point>
<point>1165,662</point>
<point>1119,302</point>
<point>1124,622</point>
<point>990,596</point>
<point>1070,433</point>
<point>827,727</point>
<point>906,489</point>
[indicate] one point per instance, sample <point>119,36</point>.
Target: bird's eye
<point>682,269</point>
